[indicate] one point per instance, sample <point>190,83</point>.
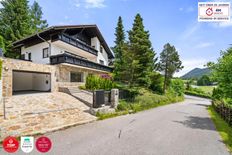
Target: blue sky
<point>173,21</point>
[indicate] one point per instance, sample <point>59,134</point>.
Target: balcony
<point>75,60</point>
<point>79,44</point>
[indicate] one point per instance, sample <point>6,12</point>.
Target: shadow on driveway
<point>203,123</point>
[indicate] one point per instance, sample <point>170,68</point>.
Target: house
<point>60,56</point>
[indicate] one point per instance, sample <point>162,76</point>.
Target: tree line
<point>136,63</point>
<point>18,20</point>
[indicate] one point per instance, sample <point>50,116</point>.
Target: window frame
<point>48,54</point>
<point>102,62</point>
<point>101,49</point>
<point>75,73</point>
<point>29,56</point>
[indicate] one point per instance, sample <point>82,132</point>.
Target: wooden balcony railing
<point>75,60</point>
<point>77,43</point>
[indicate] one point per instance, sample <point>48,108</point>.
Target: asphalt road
<point>177,129</point>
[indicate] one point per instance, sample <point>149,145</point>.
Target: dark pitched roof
<point>94,30</point>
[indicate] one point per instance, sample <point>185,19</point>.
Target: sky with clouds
<point>173,21</point>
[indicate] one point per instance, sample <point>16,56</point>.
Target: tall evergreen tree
<point>142,53</point>
<point>169,64</point>
<point>36,13</point>
<point>15,22</point>
<point>2,44</point>
<point>118,50</point>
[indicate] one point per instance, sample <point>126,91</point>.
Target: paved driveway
<point>177,129</point>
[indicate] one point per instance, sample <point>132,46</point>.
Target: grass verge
<point>222,127</point>
<point>146,100</point>
<point>193,93</point>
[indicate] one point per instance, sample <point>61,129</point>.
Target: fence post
<point>114,98</point>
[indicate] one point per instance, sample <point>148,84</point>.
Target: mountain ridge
<point>196,73</point>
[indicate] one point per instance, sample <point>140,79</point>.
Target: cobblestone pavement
<point>41,113</point>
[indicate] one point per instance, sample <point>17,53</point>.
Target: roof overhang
<point>93,30</point>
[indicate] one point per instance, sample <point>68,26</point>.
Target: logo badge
<point>10,144</point>
<point>27,144</point>
<point>43,144</point>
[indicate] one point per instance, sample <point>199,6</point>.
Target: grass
<point>207,89</point>
<point>223,128</point>
<point>146,100</point>
<point>110,115</point>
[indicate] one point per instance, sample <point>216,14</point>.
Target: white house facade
<point>60,56</point>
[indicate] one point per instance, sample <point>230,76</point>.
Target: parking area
<point>41,113</point>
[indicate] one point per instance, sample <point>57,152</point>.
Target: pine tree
<point>118,50</point>
<point>36,13</point>
<point>15,23</point>
<point>143,54</point>
<point>169,64</point>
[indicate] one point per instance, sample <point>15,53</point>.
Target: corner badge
<point>213,11</point>
<point>27,144</point>
<point>10,144</point>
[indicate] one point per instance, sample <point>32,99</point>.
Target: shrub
<point>156,83</point>
<point>217,94</point>
<point>204,81</point>
<point>177,85</point>
<point>94,82</point>
<point>123,106</point>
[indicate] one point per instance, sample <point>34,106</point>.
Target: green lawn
<point>223,128</point>
<point>207,89</point>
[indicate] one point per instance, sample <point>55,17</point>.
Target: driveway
<point>177,129</point>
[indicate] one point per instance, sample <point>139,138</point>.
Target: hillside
<point>196,73</point>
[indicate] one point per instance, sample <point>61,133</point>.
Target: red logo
<point>209,11</point>
<point>10,144</point>
<point>43,144</point>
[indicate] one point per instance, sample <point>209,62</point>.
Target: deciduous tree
<point>36,14</point>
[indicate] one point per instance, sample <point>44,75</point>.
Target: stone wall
<point>64,74</point>
<point>12,64</point>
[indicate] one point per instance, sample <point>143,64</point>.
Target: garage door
<point>31,82</point>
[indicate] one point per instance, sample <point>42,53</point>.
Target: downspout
<point>49,44</point>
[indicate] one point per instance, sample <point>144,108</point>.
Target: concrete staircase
<point>82,95</point>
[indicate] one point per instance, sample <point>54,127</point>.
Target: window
<point>101,49</point>
<point>29,56</point>
<point>76,77</point>
<point>101,62</point>
<point>23,56</point>
<point>46,53</point>
<point>93,46</point>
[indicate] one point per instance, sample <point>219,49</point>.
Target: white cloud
<point>189,9</point>
<point>90,3</point>
<point>94,3</point>
<point>204,45</point>
<point>190,31</point>
<point>190,64</point>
